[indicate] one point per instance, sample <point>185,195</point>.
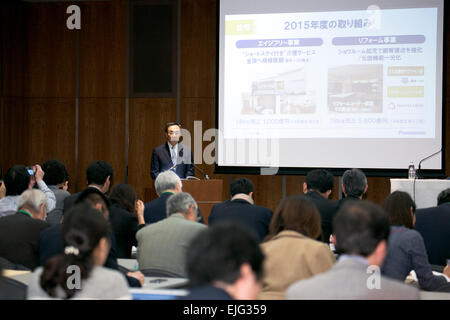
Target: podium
<point>205,192</point>
<point>424,191</point>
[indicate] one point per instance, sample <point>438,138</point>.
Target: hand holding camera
<point>38,173</point>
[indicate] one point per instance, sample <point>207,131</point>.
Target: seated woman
<point>406,249</point>
<point>291,253</point>
<point>78,273</point>
<point>127,217</point>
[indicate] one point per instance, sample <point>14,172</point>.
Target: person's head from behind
<point>168,181</point>
<point>242,186</point>
<point>173,132</point>
<point>100,174</point>
<point>125,196</point>
<point>296,213</point>
<point>85,242</point>
<point>184,204</point>
<point>96,199</point>
<point>319,180</point>
<point>34,202</point>
<point>17,180</point>
<point>401,209</point>
<point>443,197</point>
<point>354,183</point>
<point>55,173</point>
<point>362,228</point>
<point>227,256</point>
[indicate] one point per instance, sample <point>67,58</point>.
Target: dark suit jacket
<point>50,244</point>
<point>155,210</point>
<point>257,218</point>
<point>207,293</point>
<point>327,210</point>
<point>69,201</point>
<point>161,161</point>
<point>406,252</point>
<point>19,239</point>
<point>434,226</point>
<point>124,225</point>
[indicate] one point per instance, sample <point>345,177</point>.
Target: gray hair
<point>33,199</point>
<point>180,203</point>
<point>354,181</point>
<point>166,180</point>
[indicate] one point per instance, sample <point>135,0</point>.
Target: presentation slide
<point>338,86</point>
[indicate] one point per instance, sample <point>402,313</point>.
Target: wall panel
<point>198,48</point>
<point>102,136</point>
<point>50,53</point>
<point>103,49</point>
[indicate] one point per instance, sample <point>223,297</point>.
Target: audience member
<point>434,226</point>
<point>318,187</point>
<point>19,233</point>
<point>17,180</point>
<point>85,240</point>
<point>56,177</point>
<point>172,155</point>
<point>99,175</point>
<point>406,249</point>
<point>354,185</point>
<point>8,290</point>
<point>224,262</point>
<point>361,229</point>
<point>162,245</point>
<point>241,209</point>
<point>291,252</point>
<point>126,216</point>
<point>50,239</point>
<point>166,184</point>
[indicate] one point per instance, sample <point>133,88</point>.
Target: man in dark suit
<point>167,184</point>
<point>318,187</point>
<point>241,208</point>
<point>434,226</point>
<point>99,175</point>
<point>19,233</point>
<point>172,155</point>
<point>354,185</point>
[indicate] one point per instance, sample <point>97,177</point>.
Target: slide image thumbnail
<point>284,93</point>
<point>356,88</point>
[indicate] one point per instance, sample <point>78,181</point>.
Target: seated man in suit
<point>224,262</point>
<point>354,185</point>
<point>318,187</point>
<point>99,175</point>
<point>166,184</point>
<point>434,226</point>
<point>17,180</point>
<point>241,209</point>
<point>19,233</point>
<point>56,177</point>
<point>162,245</point>
<point>172,154</point>
<point>361,229</point>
